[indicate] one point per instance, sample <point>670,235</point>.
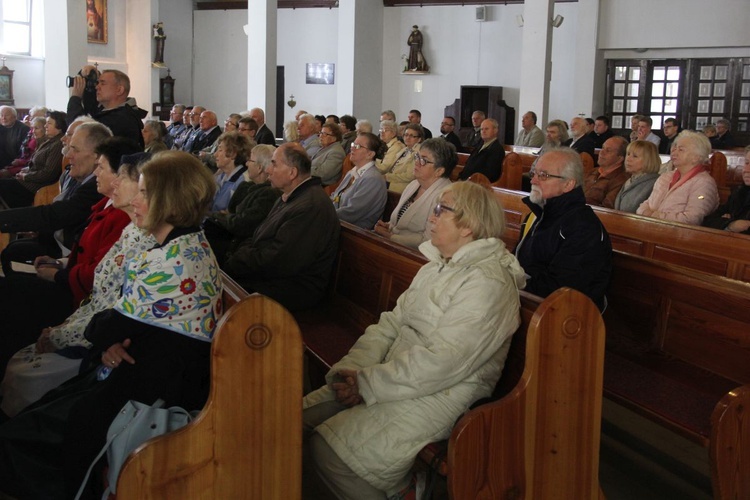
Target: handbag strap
<point>157,404</point>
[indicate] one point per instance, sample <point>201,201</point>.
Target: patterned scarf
<point>176,286</point>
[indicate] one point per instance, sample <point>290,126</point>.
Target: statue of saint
<point>160,37</point>
<point>416,58</point>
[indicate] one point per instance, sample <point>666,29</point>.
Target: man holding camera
<point>106,99</point>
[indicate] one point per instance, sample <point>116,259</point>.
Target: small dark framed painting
<point>320,73</point>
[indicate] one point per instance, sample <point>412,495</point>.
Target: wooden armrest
<point>729,450</point>
<point>247,441</point>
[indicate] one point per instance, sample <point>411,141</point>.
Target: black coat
<point>566,245</point>
<point>290,257</point>
<point>488,161</point>
<point>453,139</point>
<point>265,136</point>
<point>123,121</point>
<point>70,215</point>
<point>737,207</point>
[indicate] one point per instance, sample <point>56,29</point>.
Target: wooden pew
<point>541,440</point>
<point>678,345</point>
<point>247,440</point>
<point>704,249</point>
<point>489,455</point>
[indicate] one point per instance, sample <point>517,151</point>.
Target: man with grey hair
<point>581,141</point>
<point>388,115</point>
<point>563,243</point>
<point>487,159</point>
<point>58,223</point>
<point>177,126</point>
<point>264,134</point>
<point>12,134</point>
<point>723,138</point>
<point>108,102</point>
<point>308,134</point>
<point>291,254</point>
<point>363,127</point>
<point>474,138</point>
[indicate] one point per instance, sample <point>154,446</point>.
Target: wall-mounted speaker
<point>481,14</point>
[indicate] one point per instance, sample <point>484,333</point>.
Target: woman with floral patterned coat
<point>155,343</point>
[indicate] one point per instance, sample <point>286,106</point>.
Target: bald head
<point>207,120</point>
<point>258,115</point>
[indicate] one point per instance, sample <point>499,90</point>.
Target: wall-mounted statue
<point>416,60</point>
<point>160,37</point>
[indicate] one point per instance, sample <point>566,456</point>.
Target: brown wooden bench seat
<point>722,253</point>
<point>678,341</point>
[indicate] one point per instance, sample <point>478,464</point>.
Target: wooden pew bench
<point>678,347</point>
<point>721,253</point>
<point>372,273</point>
<point>247,440</point>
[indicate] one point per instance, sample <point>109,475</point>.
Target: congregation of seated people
<point>135,190</point>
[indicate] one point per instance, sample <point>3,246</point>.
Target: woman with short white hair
<point>689,193</point>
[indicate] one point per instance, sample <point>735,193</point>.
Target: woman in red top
<point>58,287</point>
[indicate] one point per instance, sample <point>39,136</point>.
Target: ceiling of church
<point>329,4</point>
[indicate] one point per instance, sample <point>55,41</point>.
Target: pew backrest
<point>716,252</point>
<point>247,440</point>
<point>542,439</point>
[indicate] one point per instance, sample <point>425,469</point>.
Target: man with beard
<point>446,132</point>
<point>563,243</point>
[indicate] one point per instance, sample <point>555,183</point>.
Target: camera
<point>91,80</point>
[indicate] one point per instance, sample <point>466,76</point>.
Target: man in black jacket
<point>107,103</point>
<point>58,223</point>
<point>488,158</point>
<point>290,256</point>
<point>563,243</point>
<point>264,134</point>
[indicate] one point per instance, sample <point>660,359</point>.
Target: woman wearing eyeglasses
<point>360,197</point>
<point>433,166</point>
<point>410,376</point>
<point>402,172</point>
<point>329,160</point>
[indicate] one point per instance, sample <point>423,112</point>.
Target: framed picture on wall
<point>320,73</point>
<point>96,21</point>
<point>6,86</point>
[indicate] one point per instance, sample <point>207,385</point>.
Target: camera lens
<point>69,81</point>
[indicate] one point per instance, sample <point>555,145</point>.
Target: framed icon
<point>96,21</point>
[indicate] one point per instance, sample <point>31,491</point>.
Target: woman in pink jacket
<point>688,193</point>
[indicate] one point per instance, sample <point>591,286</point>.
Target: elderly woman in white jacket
<point>409,377</point>
<point>433,166</point>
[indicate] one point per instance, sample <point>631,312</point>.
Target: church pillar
<point>536,64</point>
<point>359,74</point>
<point>261,58</point>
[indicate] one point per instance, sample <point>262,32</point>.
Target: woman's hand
<point>44,344</point>
<point>347,391</point>
<point>116,354</point>
<point>383,229</point>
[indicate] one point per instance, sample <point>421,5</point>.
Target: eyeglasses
<point>543,175</point>
<point>356,146</point>
<point>422,160</point>
<point>447,124</point>
<point>413,136</point>
<point>440,208</point>
<point>326,133</point>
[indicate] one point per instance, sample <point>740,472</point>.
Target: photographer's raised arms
<point>104,96</point>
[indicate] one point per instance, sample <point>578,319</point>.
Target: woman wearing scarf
<point>154,343</point>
